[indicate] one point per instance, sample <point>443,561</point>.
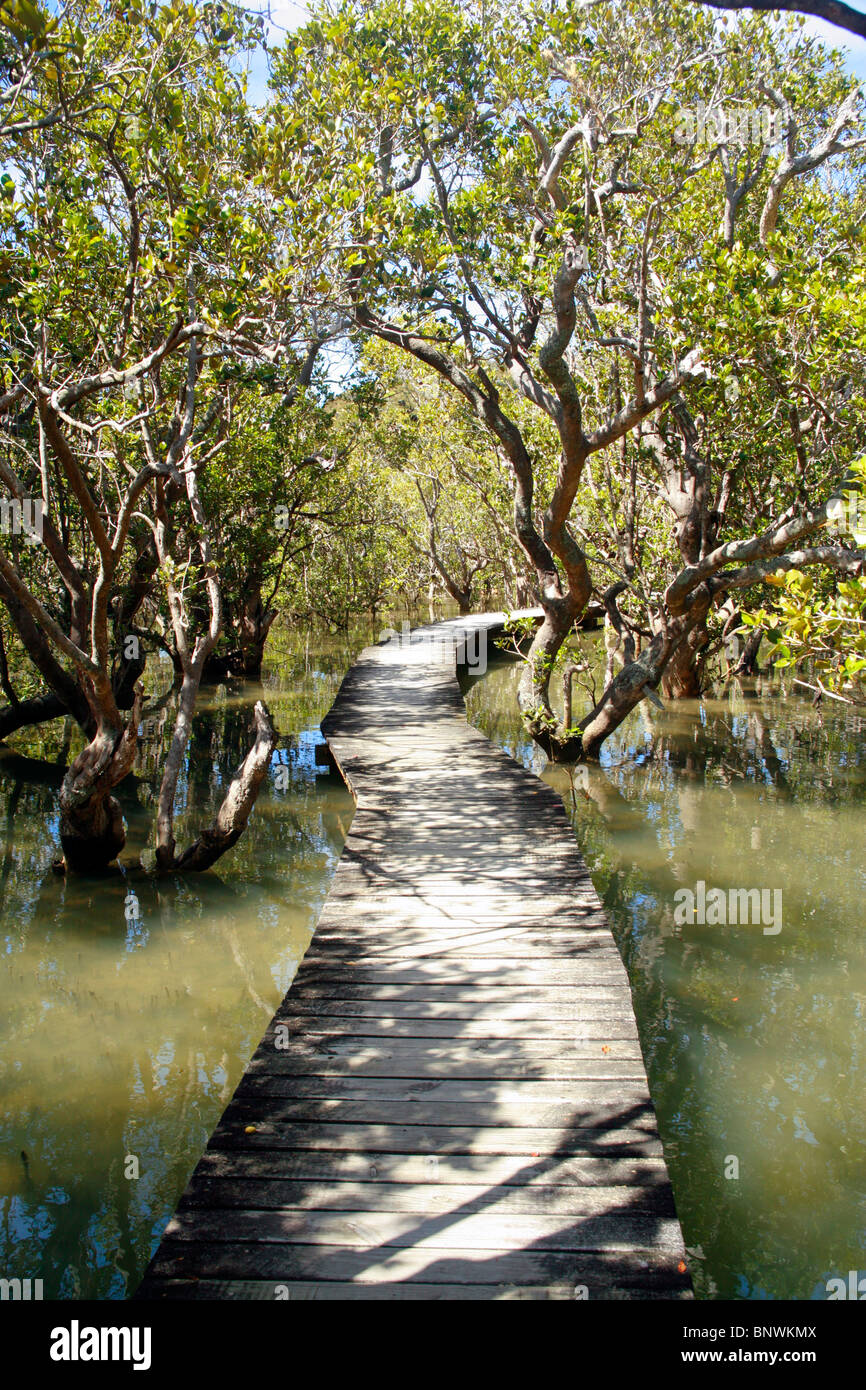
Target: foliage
<point>817,628</point>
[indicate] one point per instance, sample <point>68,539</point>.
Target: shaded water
<point>122,1040</point>
<point>754,1043</point>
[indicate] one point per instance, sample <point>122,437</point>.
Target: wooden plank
<point>301,1291</point>
<point>595,1019</point>
<point>266,1108</point>
<point>311,1061</point>
<point>575,1058</point>
<point>389,911</point>
<point>251,1194</point>
<point>599,1271</point>
<point>312,1025</point>
<point>537,944</point>
<point>571,997</point>
<point>492,1091</point>
<point>451,1100</point>
<point>619,1229</point>
<point>435,1140</point>
<point>421,1170</point>
<point>446,969</point>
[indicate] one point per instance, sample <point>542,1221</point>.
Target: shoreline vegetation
<point>419,310</point>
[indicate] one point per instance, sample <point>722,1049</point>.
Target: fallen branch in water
<point>822,690</point>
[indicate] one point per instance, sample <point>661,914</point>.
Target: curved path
<point>451,1101</point>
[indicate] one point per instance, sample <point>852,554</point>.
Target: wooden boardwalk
<point>450,1102</point>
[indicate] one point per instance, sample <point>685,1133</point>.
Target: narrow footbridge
<point>450,1102</point>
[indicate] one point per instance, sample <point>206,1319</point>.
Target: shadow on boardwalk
<point>451,1100</point>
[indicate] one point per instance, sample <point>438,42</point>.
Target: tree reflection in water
<point>125,1038</point>
<point>754,1044</point>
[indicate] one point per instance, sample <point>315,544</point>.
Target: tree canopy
<point>505,303</point>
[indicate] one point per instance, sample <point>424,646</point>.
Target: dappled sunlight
<point>752,1041</point>
<point>452,1095</point>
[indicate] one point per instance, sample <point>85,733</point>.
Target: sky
<point>853,47</point>
<point>284,15</point>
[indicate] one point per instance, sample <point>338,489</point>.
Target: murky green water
<point>754,1042</point>
<point>121,1042</point>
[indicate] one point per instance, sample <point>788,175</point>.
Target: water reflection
<point>124,1033</point>
<point>754,1043</point>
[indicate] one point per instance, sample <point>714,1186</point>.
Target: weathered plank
<point>614,1228</point>
<point>422,1058</point>
<point>451,1100</point>
<point>260,1290</point>
<point>359,1026</point>
<point>409,1171</point>
<point>604,1273</point>
<point>264,1109</point>
<point>495,1090</point>
<point>468,993</point>
<point>595,1015</point>
<point>466,970</point>
<point>260,1194</point>
<point>624,1141</point>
